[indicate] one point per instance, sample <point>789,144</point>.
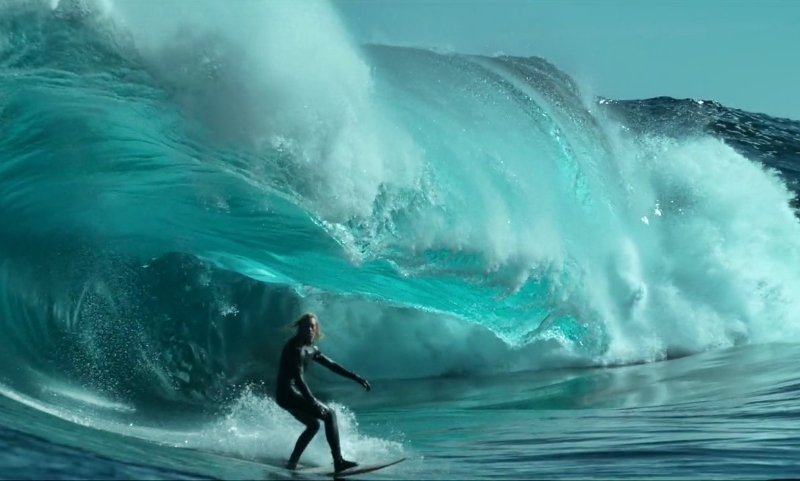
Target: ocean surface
<point>539,282</point>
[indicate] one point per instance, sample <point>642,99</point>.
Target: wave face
<point>176,187</point>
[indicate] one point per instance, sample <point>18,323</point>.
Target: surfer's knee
<point>329,416</point>
<point>312,425</point>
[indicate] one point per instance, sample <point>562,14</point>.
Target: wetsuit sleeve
<point>328,363</point>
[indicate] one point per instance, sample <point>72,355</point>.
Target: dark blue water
<point>538,284</point>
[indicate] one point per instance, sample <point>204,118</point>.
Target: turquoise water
<point>536,282</point>
<point>728,414</point>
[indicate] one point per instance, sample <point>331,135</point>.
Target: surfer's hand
<point>364,383</point>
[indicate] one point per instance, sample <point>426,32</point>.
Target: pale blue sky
<point>743,53</point>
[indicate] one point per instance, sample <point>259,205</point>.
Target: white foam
<point>283,74</point>
<point>58,412</point>
<point>256,428</point>
<point>712,269</point>
<point>86,397</point>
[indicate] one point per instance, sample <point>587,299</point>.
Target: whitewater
<point>538,281</point>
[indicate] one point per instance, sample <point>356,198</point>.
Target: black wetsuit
<point>293,395</point>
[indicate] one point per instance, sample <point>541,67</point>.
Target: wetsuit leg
<point>312,426</point>
<point>332,434</point>
<point>310,415</point>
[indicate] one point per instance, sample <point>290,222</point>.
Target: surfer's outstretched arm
<point>336,368</point>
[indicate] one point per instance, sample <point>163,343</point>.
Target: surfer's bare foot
<point>291,465</point>
<point>343,464</point>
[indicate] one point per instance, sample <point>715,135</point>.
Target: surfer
<point>292,392</point>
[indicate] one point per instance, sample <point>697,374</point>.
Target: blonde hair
<point>294,325</point>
